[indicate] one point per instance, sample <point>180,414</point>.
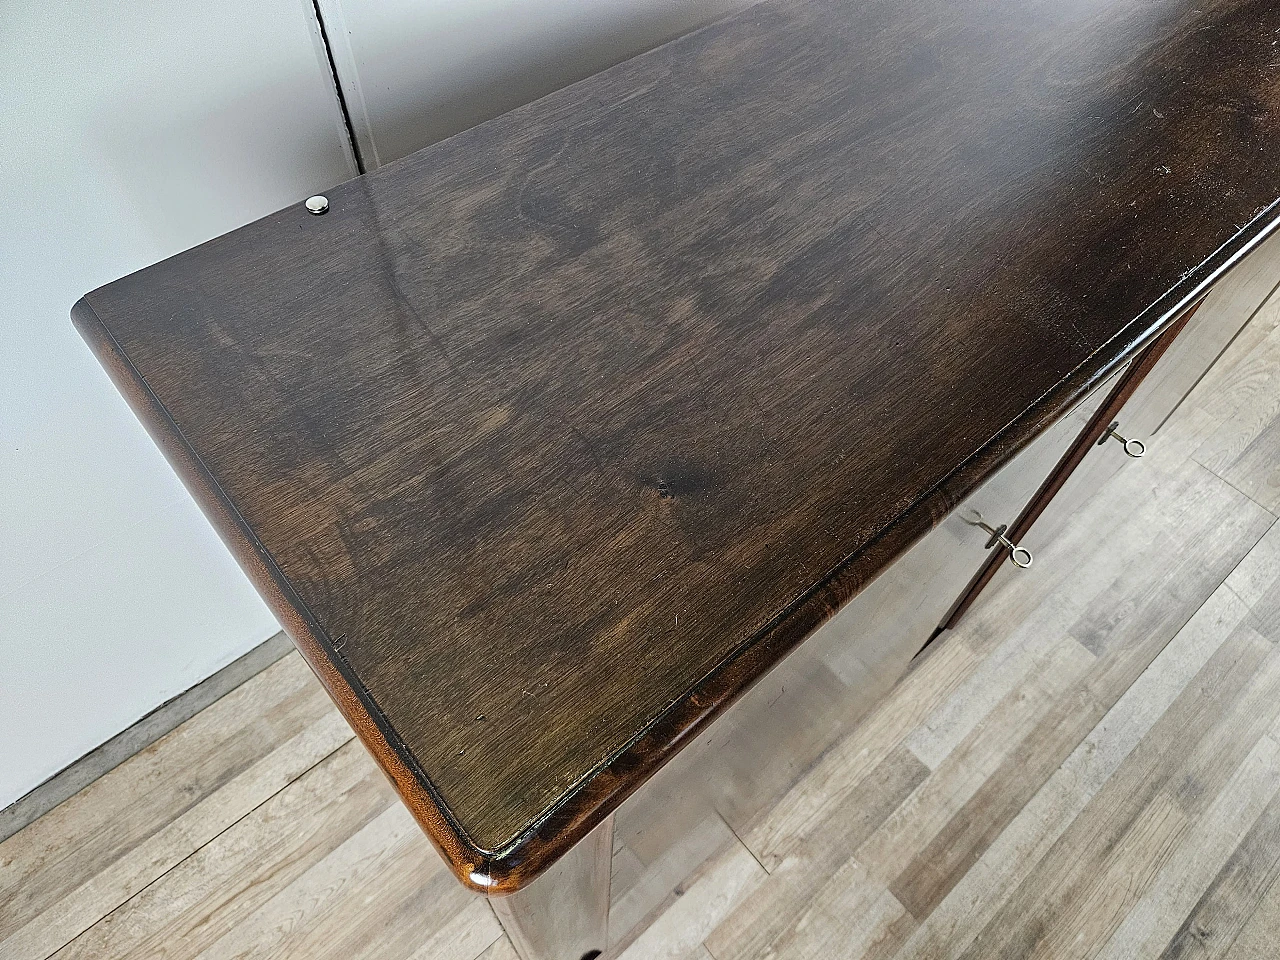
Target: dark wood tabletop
<point>546,441</point>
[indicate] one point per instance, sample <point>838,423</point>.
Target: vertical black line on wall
<point>337,88</point>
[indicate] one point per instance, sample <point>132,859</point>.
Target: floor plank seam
<point>1101,722</point>
<point>738,837</point>
<point>178,863</point>
<point>1192,869</point>
<point>1217,358</point>
<point>1250,616</point>
<point>1219,476</point>
<point>138,736</point>
<point>1222,583</point>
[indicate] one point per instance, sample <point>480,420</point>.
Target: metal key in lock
<point>1132,447</point>
<point>1019,556</point>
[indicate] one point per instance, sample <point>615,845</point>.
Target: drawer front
<point>752,754</point>
<point>1099,464</point>
<point>1091,457</point>
<point>759,747</point>
<point>871,641</point>
<point>1234,299</point>
<point>1187,357</point>
<point>1226,309</point>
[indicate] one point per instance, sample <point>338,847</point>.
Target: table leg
<point>564,914</point>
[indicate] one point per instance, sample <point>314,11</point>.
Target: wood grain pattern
<point>1242,451</point>
<point>958,775</point>
<point>763,921</point>
<point>708,896</point>
<point>1235,892</point>
<point>309,877</point>
<point>1172,894</point>
<point>93,853</point>
<point>208,894</point>
<point>547,441</point>
<point>1038,826</point>
<point>828,787</point>
<point>1139,807</point>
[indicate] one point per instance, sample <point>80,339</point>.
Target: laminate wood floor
<point>1088,767</point>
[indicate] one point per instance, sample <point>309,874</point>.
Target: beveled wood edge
<point>469,863</point>
<point>601,790</point>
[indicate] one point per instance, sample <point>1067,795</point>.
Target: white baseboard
<point>74,777</point>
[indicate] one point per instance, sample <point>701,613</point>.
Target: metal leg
<point>564,914</point>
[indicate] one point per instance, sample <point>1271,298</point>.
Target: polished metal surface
<point>747,759</point>
<point>317,204</point>
<point>751,755</point>
<point>882,310</point>
<point>564,914</point>
<point>1226,309</point>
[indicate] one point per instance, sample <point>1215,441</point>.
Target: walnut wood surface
<point>549,439</point>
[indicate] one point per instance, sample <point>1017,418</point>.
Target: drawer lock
<point>1018,556</point>
<point>1134,448</point>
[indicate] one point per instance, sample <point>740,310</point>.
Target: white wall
<point>129,130</point>
<point>417,71</point>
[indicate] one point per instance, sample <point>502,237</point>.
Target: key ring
<point>1132,446</point>
<point>1019,555</point>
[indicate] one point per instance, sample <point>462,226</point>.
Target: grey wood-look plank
<point>500,949</point>
<point>1255,471</point>
<point>954,780</point>
<point>718,332</point>
<point>1245,398</point>
<point>67,870</point>
<point>1238,390</point>
<point>769,915</point>
<point>984,889</point>
<point>139,735</point>
<point>1168,898</point>
<point>380,894</point>
<point>1256,582</point>
<point>1015,668</point>
<point>712,893</point>
<point>204,897</point>
<point>1258,936</point>
<point>1160,828</point>
<point>1221,913</point>
<point>828,785</point>
<point>1085,883</point>
<point>1210,527</point>
<point>847,916</point>
<point>649,877</point>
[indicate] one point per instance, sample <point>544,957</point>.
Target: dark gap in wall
<point>337,88</point>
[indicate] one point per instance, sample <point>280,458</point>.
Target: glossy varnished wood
<point>256,828</point>
<point>547,441</point>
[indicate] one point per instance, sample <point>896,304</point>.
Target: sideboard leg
<point>564,914</point>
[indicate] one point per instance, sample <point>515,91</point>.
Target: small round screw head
<point>317,204</point>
